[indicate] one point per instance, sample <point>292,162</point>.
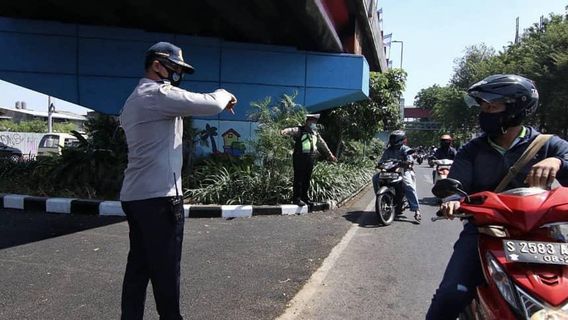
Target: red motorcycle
<point>523,248</point>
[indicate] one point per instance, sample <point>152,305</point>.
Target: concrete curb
<point>114,208</point>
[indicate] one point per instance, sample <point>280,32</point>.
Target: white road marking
<point>301,299</point>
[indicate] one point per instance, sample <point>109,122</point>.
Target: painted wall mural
<point>229,137</point>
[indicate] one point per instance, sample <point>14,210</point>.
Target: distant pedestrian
<point>307,142</point>
<point>153,124</point>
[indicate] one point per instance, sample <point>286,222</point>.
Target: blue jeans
<point>409,183</point>
<point>463,274</point>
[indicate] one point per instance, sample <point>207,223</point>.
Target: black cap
<point>170,52</point>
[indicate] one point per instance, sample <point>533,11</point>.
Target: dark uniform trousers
<point>303,167</point>
<point>156,235</point>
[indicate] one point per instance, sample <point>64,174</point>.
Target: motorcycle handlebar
<point>439,216</point>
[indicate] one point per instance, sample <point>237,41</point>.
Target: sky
<point>436,32</point>
<point>10,93</point>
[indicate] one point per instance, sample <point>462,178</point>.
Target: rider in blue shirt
<point>397,150</point>
<point>504,102</point>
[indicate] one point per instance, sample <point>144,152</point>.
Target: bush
<point>267,179</point>
<point>93,169</point>
<point>251,184</point>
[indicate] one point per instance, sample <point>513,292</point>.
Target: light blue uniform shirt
<point>153,124</point>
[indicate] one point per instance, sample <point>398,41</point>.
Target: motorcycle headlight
<point>388,175</point>
<point>535,310</point>
<point>519,300</point>
<point>503,283</point>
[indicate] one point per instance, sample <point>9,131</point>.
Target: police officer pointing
<point>306,142</point>
<point>150,195</point>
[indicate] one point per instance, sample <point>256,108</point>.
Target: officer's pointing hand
<point>231,104</point>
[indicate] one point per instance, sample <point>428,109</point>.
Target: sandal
<point>417,216</point>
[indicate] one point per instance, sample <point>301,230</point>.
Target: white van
<point>51,143</point>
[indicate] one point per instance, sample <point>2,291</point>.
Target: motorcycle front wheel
<point>385,208</point>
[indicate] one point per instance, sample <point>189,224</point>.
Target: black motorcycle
<point>419,157</point>
<point>390,199</point>
<point>431,160</point>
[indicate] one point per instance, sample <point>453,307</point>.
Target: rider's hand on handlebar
<point>543,173</point>
<point>449,208</point>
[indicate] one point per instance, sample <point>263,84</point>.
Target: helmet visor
<point>474,98</point>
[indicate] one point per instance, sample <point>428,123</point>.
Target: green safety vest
<point>306,142</point>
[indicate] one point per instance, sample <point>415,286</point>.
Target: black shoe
<point>308,202</point>
<point>299,203</point>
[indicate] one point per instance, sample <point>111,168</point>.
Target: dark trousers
<point>303,167</point>
<point>463,274</point>
<point>156,236</point>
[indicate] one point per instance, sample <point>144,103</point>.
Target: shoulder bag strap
<point>529,153</point>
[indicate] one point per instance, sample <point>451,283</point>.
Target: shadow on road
<point>369,219</point>
<point>18,227</point>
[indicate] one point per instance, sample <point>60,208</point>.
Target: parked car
<point>51,143</point>
<point>11,153</point>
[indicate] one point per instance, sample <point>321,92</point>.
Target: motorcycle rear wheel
<point>385,208</point>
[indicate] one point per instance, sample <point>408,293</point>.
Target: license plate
<point>536,252</point>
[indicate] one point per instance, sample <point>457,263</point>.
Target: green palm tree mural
<point>210,133</point>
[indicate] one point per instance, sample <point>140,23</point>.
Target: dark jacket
<point>396,154</point>
<point>445,153</point>
<point>479,167</point>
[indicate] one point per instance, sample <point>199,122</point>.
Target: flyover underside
<point>98,67</point>
<point>297,23</point>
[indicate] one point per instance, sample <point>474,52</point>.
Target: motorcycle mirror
<point>447,187</point>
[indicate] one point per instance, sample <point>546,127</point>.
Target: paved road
<point>71,267</point>
<point>381,272</point>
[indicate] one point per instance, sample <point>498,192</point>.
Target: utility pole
<point>517,32</point>
<point>401,50</point>
<point>50,111</point>
<point>401,100</point>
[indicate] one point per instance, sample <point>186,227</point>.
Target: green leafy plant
<point>266,178</point>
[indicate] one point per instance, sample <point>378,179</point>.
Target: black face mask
<point>493,123</point>
<point>173,77</point>
<point>445,144</point>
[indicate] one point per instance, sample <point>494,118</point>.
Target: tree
<point>39,126</point>
<point>210,133</point>
<point>542,56</point>
<point>427,98</point>
<point>477,63</point>
<point>362,120</point>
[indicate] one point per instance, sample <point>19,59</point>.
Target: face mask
<point>445,144</point>
<point>313,127</point>
<point>492,123</point>
<point>173,77</point>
